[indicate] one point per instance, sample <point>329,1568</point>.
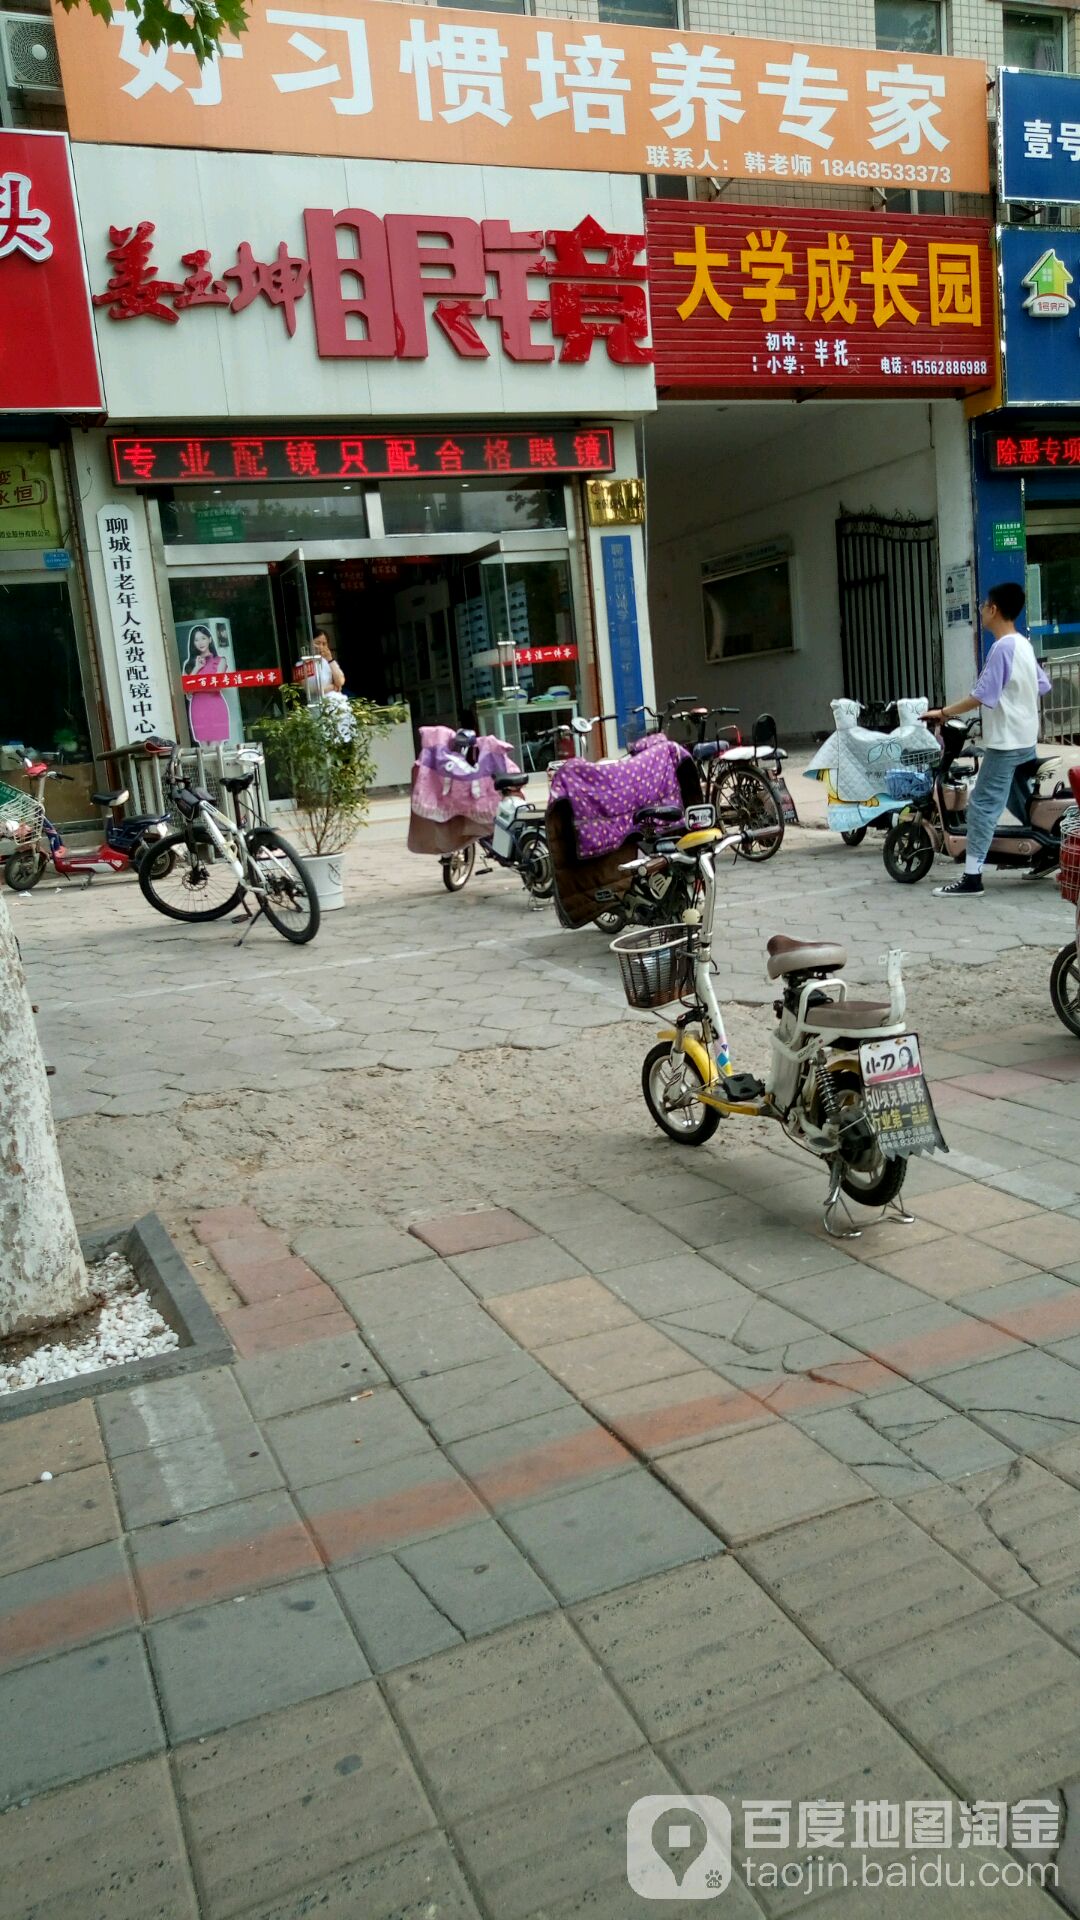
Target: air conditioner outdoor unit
<point>28,44</point>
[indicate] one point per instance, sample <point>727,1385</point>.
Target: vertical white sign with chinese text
<point>147,708</point>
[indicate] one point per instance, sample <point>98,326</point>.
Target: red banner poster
<point>48,354</point>
<point>792,301</point>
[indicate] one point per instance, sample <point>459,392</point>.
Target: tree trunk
<point>42,1273</point>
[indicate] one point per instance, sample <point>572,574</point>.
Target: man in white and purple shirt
<point>1008,690</point>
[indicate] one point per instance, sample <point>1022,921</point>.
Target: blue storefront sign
<point>1040,315</point>
<point>1039,136</point>
<point>620,598</point>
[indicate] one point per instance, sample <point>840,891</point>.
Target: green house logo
<point>1049,281</point>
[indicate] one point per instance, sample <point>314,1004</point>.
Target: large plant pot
<point>327,870</point>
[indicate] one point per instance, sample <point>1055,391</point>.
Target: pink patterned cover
<point>444,785</point>
<point>605,795</point>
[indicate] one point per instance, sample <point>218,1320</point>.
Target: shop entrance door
<point>1052,583</point>
<point>297,628</point>
<point>42,707</point>
<point>426,654</point>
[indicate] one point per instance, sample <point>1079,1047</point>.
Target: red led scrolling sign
<point>786,300</point>
<point>147,460</point>
<point>1042,452</point>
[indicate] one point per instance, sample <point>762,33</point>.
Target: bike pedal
<point>741,1086</point>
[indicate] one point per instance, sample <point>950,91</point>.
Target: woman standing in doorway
<point>208,713</point>
<point>331,682</point>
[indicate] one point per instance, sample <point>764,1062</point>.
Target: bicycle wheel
<point>290,902</point>
<point>1065,988</point>
<point>24,868</point>
<point>457,867</point>
<point>534,861</point>
<point>194,886</point>
<point>745,798</point>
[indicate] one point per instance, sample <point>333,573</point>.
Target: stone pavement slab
<point>279,1803</point>
<point>485,1396</point>
<point>621,1357</point>
<point>435,1343</point>
<point>60,1516</point>
<point>992,1699</point>
<point>64,1603</point>
<point>393,1618</point>
<point>477,1578</point>
<point>516,1464</point>
<point>243,1658</point>
<point>540,1316</point>
<point>161,1483</point>
<point>688,1644</point>
<point>658,1288</point>
<point>846,1433</point>
<point>607,1534</point>
<point>1028,1399</point>
<point>529,1263</point>
<point>404,1293</point>
<point>754,1483</point>
<point>841,1297</point>
<point>366,1430</point>
<point>110,1848</point>
<point>927,1429</point>
<point>348,1253</point>
<point>861,1583</point>
<point>777,1753</point>
<point>456,1233</point>
<point>562,1851</point>
<point>388,1507</point>
<point>61,1440</point>
<point>76,1715</point>
<point>494,1722</point>
<point>206,1556</point>
<point>417,1878</point>
<point>1021,1520</point>
<point>188,1408</point>
<point>664,1416</point>
<point>276,1383</point>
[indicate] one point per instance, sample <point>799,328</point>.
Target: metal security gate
<point>890,617</point>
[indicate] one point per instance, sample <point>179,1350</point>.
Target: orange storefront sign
<point>375,79</point>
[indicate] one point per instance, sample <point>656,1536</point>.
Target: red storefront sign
<point>541,656</point>
<point>143,460</point>
<point>1033,452</point>
<point>244,677</point>
<point>48,354</point>
<point>787,300</point>
<point>376,282</point>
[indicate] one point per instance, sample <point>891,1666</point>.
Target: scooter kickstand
<point>896,1210</point>
<point>834,1200</point>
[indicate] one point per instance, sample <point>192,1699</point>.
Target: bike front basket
<point>20,814</point>
<point>655,964</point>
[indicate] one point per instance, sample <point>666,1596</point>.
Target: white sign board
<point>959,611</point>
<point>235,286</point>
<point>146,704</point>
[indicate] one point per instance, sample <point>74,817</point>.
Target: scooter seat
<point>849,1016</point>
<point>115,799</point>
<point>509,782</point>
<point>755,753</point>
<point>802,956</point>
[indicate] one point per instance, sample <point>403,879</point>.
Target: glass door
<point>297,626</point>
<point>224,623</point>
<point>42,707</point>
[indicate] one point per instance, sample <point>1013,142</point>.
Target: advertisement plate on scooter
<point>898,1103</point>
<point>700,817</point>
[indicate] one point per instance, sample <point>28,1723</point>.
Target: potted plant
<point>323,752</point>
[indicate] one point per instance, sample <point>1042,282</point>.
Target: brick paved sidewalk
<point>503,1519</point>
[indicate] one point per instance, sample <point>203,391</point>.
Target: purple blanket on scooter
<point>604,796</point>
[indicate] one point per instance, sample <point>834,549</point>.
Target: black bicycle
<point>219,862</point>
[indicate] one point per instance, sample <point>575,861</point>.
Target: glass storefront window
<point>639,13</point>
<point>207,516</point>
<point>1035,40</point>
<point>224,622</point>
<point>470,506</point>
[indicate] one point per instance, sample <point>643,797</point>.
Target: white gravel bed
<point>124,1326</point>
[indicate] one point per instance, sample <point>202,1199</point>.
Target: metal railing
<point>206,767</point>
<point>1061,706</point>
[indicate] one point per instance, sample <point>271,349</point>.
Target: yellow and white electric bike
<point>845,1079</point>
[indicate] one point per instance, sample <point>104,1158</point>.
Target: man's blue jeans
<point>993,791</point>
